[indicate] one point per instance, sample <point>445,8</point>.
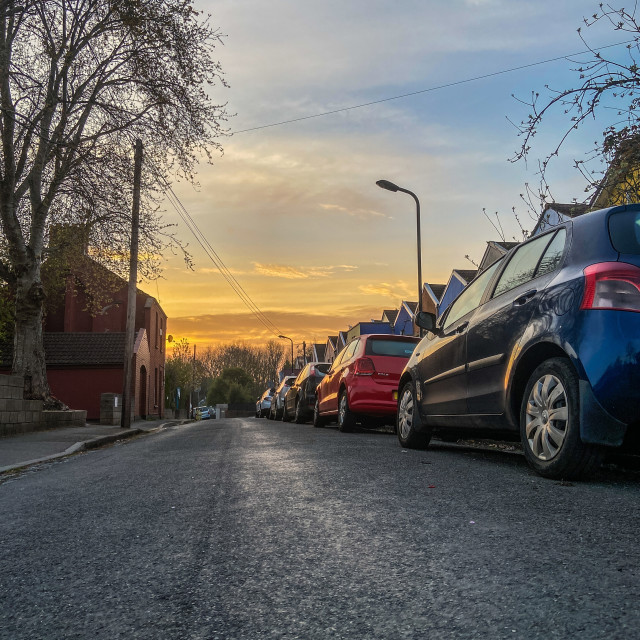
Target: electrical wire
<point>430,89</point>
<point>218,262</point>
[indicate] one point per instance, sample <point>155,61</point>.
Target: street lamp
<point>290,340</point>
<point>389,186</point>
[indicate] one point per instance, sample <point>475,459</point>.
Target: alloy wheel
<point>405,413</point>
<point>547,417</point>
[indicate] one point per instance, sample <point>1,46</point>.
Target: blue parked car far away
<point>545,341</point>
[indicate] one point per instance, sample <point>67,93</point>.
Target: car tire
<point>550,423</point>
<point>346,419</point>
<point>285,414</point>
<point>410,429</point>
<point>318,420</point>
<point>298,418</point>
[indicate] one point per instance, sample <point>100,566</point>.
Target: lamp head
<point>389,186</point>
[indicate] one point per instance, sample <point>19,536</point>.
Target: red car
<point>363,381</point>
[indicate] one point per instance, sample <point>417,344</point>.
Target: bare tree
<point>607,87</point>
<point>80,80</point>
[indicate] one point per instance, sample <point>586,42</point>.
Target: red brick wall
<point>81,388</point>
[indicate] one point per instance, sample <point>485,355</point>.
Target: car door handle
<point>524,298</point>
<point>461,327</point>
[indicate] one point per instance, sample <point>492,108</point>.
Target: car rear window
<point>624,229</point>
<point>398,348</point>
<point>322,367</point>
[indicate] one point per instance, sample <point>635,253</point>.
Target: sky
<point>293,210</point>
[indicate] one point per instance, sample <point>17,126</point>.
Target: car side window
<point>553,255</point>
<point>350,350</point>
<point>337,360</point>
<point>470,298</point>
<point>522,265</point>
<point>301,376</point>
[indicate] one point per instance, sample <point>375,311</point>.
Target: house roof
<point>410,306</point>
<point>507,246</point>
<point>436,289</point>
<point>466,274</point>
<point>320,350</point>
<point>332,340</point>
<point>75,349</point>
<point>390,315</point>
<point>84,348</point>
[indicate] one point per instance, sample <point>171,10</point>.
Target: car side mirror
<point>427,321</point>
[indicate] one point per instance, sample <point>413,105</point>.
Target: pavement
<point>41,446</point>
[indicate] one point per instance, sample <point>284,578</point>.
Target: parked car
<point>263,405</point>
<point>301,396</point>
<point>277,402</point>
<point>546,342</point>
<point>202,413</point>
<point>362,383</point>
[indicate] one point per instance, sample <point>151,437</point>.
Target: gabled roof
<point>389,315</point>
<point>84,349</point>
<point>319,351</point>
<point>332,340</point>
<point>507,246</point>
<point>564,211</point>
<point>435,291</point>
<point>466,275</point>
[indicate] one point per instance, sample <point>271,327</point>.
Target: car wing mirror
<point>427,321</point>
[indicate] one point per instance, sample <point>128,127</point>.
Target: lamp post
<point>290,340</point>
<point>389,186</point>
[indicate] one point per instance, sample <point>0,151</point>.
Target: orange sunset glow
<point>293,209</point>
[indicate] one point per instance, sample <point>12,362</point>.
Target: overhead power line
<point>218,262</point>
<point>430,89</point>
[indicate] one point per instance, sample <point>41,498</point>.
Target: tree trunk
<point>28,348</point>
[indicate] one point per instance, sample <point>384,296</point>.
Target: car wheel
<point>346,419</point>
<point>298,417</point>
<point>411,432</point>
<point>285,414</point>
<point>550,423</point>
<point>318,420</point>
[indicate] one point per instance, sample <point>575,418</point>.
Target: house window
<point>157,327</point>
<point>155,388</point>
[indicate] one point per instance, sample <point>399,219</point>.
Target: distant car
<point>202,413</point>
<point>362,384</point>
<point>263,405</point>
<point>277,402</point>
<point>301,396</point>
<point>544,343</point>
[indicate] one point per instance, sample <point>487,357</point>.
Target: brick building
<point>84,339</point>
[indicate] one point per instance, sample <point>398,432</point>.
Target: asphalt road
<point>248,528</point>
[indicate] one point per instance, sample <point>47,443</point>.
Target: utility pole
<point>304,352</point>
<point>125,419</point>
<point>193,379</point>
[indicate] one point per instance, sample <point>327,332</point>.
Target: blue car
<point>544,342</point>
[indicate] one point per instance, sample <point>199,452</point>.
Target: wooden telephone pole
<point>125,420</point>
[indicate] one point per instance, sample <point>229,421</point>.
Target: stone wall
<point>16,414</point>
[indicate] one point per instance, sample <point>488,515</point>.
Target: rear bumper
<point>370,397</point>
<point>609,353</point>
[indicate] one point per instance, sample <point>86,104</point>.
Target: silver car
<point>263,405</point>
<point>277,402</point>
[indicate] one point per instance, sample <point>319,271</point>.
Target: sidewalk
<point>40,446</point>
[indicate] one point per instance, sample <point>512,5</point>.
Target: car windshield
<point>397,348</point>
<point>624,229</point>
<point>321,368</point>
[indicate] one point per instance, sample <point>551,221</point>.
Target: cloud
<point>280,271</point>
<point>356,213</point>
<point>399,290</point>
<point>293,273</point>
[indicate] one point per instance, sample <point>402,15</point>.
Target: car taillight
<point>612,285</point>
<point>364,367</point>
